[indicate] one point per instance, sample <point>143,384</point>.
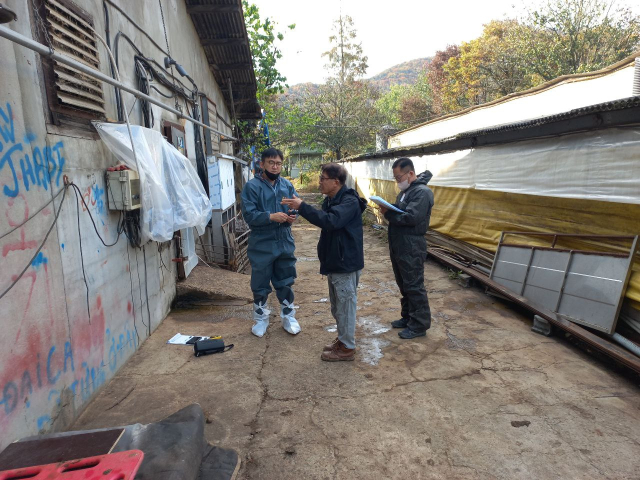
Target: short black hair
<point>403,163</point>
<point>271,153</point>
<point>335,171</point>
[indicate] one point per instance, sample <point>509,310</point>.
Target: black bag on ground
<point>210,345</point>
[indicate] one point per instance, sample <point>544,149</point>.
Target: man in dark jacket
<point>340,251</point>
<point>408,246</point>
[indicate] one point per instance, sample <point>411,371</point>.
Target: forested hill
<point>402,74</point>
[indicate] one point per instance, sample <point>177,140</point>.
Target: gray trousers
<point>343,293</point>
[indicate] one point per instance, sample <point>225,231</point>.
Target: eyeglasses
<point>399,177</point>
<point>322,179</point>
<point>273,164</point>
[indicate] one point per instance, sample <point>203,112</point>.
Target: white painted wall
<point>55,351</point>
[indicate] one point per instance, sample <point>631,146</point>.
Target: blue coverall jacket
<point>271,247</point>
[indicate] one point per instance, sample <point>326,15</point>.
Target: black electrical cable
<point>140,290</point>
<point>131,226</point>
<point>143,86</point>
<point>133,303</point>
<point>84,274</point>
<point>78,192</point>
<point>146,290</point>
<point>153,87</point>
<point>113,73</point>
<point>201,161</point>
<point>162,261</point>
<point>55,220</point>
<point>182,90</point>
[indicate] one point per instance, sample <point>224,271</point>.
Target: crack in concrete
<point>122,399</point>
<point>265,394</point>
<point>576,450</point>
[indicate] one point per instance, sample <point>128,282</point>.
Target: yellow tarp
<point>479,217</point>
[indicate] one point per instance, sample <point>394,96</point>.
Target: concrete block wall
<point>66,332</point>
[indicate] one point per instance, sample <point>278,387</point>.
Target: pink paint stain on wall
<point>22,244</point>
<point>88,338</point>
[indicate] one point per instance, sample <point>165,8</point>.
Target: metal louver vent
<point>72,35</point>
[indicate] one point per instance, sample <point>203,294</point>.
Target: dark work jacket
<point>260,199</point>
<point>416,202</point>
<point>340,249</point>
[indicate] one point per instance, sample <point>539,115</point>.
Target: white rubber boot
<point>289,322</point>
<point>261,319</point>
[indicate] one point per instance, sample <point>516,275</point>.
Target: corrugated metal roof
<point>545,86</point>
<point>223,35</point>
<point>625,111</point>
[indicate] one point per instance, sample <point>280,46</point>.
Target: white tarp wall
<point>602,165</point>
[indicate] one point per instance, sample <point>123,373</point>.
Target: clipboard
<point>382,202</point>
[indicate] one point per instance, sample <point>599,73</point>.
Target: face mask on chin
<point>403,185</point>
<point>271,176</point>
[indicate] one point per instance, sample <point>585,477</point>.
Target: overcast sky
<point>391,32</point>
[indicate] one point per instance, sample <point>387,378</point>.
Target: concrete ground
<point>480,397</point>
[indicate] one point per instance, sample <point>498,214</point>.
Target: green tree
<point>347,62</point>
<point>344,106</point>
<point>488,67</point>
<point>438,79</point>
<point>575,36</point>
<point>290,124</point>
<point>563,37</point>
<point>263,41</point>
<point>406,105</point>
<point>346,117</point>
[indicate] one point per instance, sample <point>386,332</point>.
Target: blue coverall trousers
<point>270,253</point>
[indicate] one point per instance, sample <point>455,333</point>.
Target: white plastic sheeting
<point>602,165</point>
<point>173,197</point>
<point>566,96</point>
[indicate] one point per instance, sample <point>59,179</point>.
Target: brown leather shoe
<point>339,353</point>
<point>329,347</point>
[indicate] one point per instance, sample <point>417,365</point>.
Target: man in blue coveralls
<point>271,243</point>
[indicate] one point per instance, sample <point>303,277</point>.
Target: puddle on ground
<point>371,349</point>
<point>371,325</point>
<point>369,346</point>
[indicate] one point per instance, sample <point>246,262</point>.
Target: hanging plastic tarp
<point>173,197</point>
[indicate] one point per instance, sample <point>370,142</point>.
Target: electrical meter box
<point>123,190</point>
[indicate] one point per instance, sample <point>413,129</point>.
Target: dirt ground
<point>480,397</point>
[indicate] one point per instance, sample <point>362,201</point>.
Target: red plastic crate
<point>112,466</point>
